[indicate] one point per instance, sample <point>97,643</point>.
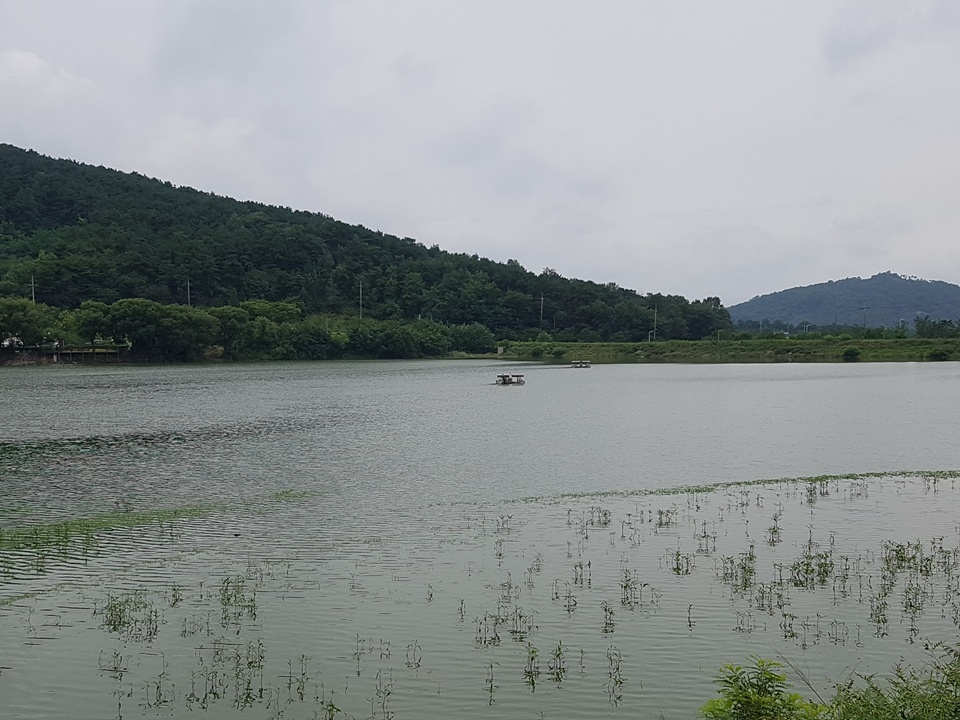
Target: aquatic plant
<point>773,532</point>
<point>488,626</point>
<point>236,602</point>
<point>489,684</point>
<point>680,563</point>
<point>522,623</point>
<point>706,541</point>
<point>569,599</point>
<point>739,572</point>
<point>667,518</point>
<point>414,655</point>
<point>531,670</point>
<point>629,587</point>
<point>797,592</point>
<point>600,516</point>
<point>608,623</point>
<point>786,481</point>
<point>132,615</point>
<point>159,691</point>
<point>556,667</point>
<point>379,703</point>
<point>615,679</point>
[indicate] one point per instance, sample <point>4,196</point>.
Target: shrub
<point>851,354</point>
<point>932,693</point>
<point>760,692</point>
<point>472,338</point>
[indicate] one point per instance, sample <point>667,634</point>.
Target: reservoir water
<point>409,540</point>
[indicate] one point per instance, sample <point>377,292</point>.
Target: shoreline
<point>693,352</point>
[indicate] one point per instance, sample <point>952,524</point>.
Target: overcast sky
<point>694,148</point>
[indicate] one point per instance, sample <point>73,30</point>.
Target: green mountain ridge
<point>71,233</point>
<point>883,300</point>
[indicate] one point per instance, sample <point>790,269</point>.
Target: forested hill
<point>72,232</point>
<point>884,300</point>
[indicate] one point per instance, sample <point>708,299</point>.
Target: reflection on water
<point>361,546</point>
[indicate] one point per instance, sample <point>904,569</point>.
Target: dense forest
<point>74,234</point>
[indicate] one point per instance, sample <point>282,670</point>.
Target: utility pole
<point>654,322</point>
<point>361,299</point>
<point>188,291</point>
<point>541,311</point>
<point>33,290</point>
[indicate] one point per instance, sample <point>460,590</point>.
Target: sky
<point>727,149</point>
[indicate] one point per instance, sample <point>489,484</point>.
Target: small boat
<point>580,364</point>
<point>510,379</point>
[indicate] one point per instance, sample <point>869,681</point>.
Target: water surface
<point>365,530</point>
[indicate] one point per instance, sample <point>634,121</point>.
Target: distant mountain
<point>882,300</point>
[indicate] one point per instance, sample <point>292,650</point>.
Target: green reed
<point>133,615</point>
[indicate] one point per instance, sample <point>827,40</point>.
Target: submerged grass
<point>61,533</point>
<point>13,600</point>
<point>929,475</point>
<point>221,660</point>
<point>289,495</point>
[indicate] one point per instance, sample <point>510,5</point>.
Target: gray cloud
<point>735,150</point>
<point>863,28</point>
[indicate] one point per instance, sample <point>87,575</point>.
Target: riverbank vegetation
<point>843,348</point>
<point>141,329</point>
<point>761,692</point>
<point>924,327</point>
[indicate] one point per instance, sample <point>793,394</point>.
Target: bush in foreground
<point>758,693</point>
<point>929,693</point>
<point>761,692</point>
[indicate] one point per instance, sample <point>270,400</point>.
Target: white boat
<point>580,364</point>
<point>510,379</point>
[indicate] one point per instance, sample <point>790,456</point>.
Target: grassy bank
<point>742,351</point>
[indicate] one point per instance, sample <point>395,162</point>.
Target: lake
<point>409,540</point>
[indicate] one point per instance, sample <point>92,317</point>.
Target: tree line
<point>256,329</point>
<point>929,328</point>
<point>923,327</point>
